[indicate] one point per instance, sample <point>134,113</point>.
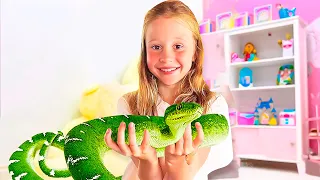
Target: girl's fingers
<point>132,140</point>
<point>170,149</point>
<point>121,140</point>
<point>179,147</point>
<point>110,143</point>
<point>145,142</point>
<point>188,146</point>
<point>200,135</point>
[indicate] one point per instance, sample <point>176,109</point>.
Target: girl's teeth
<point>168,70</point>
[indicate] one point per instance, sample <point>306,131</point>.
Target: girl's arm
<point>149,170</point>
<point>139,169</point>
<point>181,170</point>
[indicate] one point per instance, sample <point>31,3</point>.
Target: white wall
<point>52,50</point>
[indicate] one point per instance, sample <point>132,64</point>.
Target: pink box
<point>233,116</point>
<point>246,118</point>
<point>287,117</point>
<point>207,26</point>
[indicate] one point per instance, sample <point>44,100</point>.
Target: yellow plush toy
<point>100,101</point>
<point>131,76</point>
<point>97,101</point>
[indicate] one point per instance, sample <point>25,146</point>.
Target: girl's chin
<point>170,82</point>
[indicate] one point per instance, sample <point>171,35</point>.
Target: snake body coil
<point>84,145</point>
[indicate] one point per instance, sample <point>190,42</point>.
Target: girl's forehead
<point>168,27</point>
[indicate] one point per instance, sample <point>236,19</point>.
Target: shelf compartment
<point>291,86</point>
<point>264,39</point>
<point>264,62</point>
<point>283,97</point>
<point>262,76</point>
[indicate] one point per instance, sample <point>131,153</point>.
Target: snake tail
<point>21,162</point>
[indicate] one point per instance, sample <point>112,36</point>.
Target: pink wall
<point>307,9</point>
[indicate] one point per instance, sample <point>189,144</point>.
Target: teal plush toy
<point>84,145</point>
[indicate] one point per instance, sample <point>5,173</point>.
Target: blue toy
<point>245,78</point>
<point>285,12</point>
<point>265,113</point>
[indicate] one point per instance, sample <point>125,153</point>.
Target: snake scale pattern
<point>84,145</point>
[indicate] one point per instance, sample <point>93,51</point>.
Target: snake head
<point>182,114</point>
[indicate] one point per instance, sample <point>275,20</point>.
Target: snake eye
<point>179,106</point>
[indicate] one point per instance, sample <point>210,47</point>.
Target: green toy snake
<point>84,145</point>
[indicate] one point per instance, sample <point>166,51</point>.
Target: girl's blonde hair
<point>193,87</point>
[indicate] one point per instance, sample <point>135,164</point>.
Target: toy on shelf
<point>286,45</point>
<point>287,117</point>
<point>246,118</point>
<point>207,26</point>
<point>273,120</point>
<point>233,116</point>
<point>265,113</point>
<point>245,78</point>
<point>285,12</point>
<point>242,19</point>
<point>262,13</point>
<point>224,21</point>
<point>285,75</point>
<point>250,52</point>
<point>235,58</point>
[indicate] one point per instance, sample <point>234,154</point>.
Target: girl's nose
<point>167,55</point>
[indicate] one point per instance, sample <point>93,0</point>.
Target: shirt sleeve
<point>123,107</point>
<point>222,154</point>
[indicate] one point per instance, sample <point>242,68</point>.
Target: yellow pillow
<point>131,75</point>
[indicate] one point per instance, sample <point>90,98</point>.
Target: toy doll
<point>249,52</point>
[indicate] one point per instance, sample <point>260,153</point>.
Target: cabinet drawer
<point>278,143</point>
<point>267,143</point>
<point>246,141</point>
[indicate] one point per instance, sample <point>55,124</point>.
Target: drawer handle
<point>292,143</point>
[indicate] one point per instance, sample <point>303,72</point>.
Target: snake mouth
<point>184,118</point>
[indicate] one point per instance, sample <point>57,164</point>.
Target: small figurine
<point>285,12</point>
<point>265,112</point>
<point>235,58</point>
<point>249,52</point>
<point>286,45</point>
<point>285,75</point>
<point>245,79</point>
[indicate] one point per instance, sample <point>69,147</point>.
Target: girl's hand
<point>144,152</point>
<point>183,151</point>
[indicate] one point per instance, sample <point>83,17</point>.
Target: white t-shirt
<point>220,155</point>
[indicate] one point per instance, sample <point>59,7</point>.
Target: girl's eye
<point>155,47</point>
<point>178,46</point>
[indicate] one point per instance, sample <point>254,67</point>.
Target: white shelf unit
<point>264,72</point>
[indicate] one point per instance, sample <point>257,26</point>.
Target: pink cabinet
<point>268,143</point>
<point>278,143</point>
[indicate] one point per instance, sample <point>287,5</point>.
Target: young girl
<point>170,71</point>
